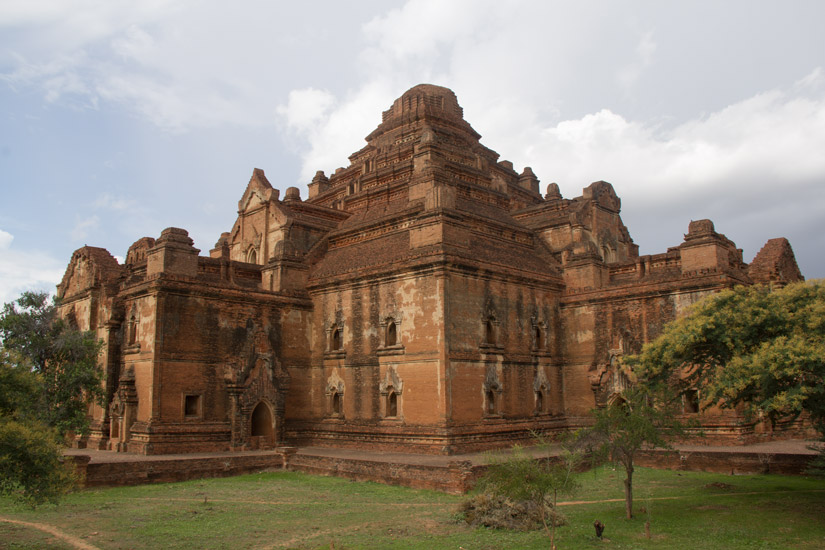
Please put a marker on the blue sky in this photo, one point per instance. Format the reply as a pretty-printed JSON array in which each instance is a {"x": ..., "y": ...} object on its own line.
[{"x": 118, "y": 119}]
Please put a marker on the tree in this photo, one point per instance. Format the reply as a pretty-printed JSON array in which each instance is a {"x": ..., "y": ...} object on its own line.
[
  {"x": 751, "y": 347},
  {"x": 521, "y": 476},
  {"x": 643, "y": 416},
  {"x": 64, "y": 358},
  {"x": 48, "y": 379},
  {"x": 31, "y": 466}
]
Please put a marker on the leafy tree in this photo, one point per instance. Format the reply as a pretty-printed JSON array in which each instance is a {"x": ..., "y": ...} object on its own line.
[
  {"x": 64, "y": 358},
  {"x": 520, "y": 476},
  {"x": 19, "y": 387},
  {"x": 48, "y": 379},
  {"x": 31, "y": 466},
  {"x": 642, "y": 417},
  {"x": 754, "y": 347}
]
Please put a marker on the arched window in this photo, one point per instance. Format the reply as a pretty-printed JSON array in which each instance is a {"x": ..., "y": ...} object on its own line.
[
  {"x": 616, "y": 400},
  {"x": 691, "y": 401},
  {"x": 538, "y": 334},
  {"x": 392, "y": 334},
  {"x": 252, "y": 257},
  {"x": 336, "y": 403},
  {"x": 491, "y": 402},
  {"x": 539, "y": 401},
  {"x": 490, "y": 333},
  {"x": 335, "y": 338},
  {"x": 392, "y": 403},
  {"x": 132, "y": 330}
]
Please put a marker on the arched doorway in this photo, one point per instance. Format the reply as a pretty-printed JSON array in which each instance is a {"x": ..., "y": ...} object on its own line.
[{"x": 262, "y": 427}]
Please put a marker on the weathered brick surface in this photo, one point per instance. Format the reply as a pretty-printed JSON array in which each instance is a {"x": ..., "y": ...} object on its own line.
[
  {"x": 457, "y": 477},
  {"x": 775, "y": 263},
  {"x": 121, "y": 473},
  {"x": 425, "y": 298},
  {"x": 726, "y": 462}
]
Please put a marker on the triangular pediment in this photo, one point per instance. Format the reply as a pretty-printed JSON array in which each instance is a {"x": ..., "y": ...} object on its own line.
[
  {"x": 775, "y": 263},
  {"x": 258, "y": 191},
  {"x": 89, "y": 267}
]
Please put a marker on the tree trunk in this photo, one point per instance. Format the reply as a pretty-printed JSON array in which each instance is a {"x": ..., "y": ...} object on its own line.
[
  {"x": 553, "y": 534},
  {"x": 544, "y": 521},
  {"x": 628, "y": 491}
]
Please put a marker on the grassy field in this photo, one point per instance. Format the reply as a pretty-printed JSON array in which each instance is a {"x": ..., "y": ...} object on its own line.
[{"x": 292, "y": 510}]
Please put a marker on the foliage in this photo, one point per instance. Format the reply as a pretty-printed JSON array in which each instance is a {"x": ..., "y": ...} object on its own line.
[
  {"x": 64, "y": 358},
  {"x": 31, "y": 466},
  {"x": 642, "y": 417},
  {"x": 753, "y": 346},
  {"x": 816, "y": 467},
  {"x": 522, "y": 477},
  {"x": 48, "y": 379},
  {"x": 19, "y": 387},
  {"x": 31, "y": 463}
]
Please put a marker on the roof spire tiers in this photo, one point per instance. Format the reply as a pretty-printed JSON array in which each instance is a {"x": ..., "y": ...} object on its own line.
[
  {"x": 436, "y": 105},
  {"x": 423, "y": 138}
]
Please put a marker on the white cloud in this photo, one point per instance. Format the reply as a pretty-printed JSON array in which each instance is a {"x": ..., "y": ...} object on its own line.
[
  {"x": 333, "y": 129},
  {"x": 811, "y": 82},
  {"x": 406, "y": 46},
  {"x": 181, "y": 65},
  {"x": 769, "y": 139},
  {"x": 21, "y": 271},
  {"x": 755, "y": 166},
  {"x": 420, "y": 28},
  {"x": 305, "y": 109},
  {"x": 163, "y": 63},
  {"x": 645, "y": 50},
  {"x": 108, "y": 202},
  {"x": 135, "y": 44},
  {"x": 5, "y": 239},
  {"x": 754, "y": 143},
  {"x": 84, "y": 226},
  {"x": 80, "y": 22},
  {"x": 167, "y": 105},
  {"x": 503, "y": 61},
  {"x": 58, "y": 77}
]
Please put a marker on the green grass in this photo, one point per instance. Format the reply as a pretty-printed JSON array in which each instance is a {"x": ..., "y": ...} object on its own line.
[{"x": 292, "y": 510}]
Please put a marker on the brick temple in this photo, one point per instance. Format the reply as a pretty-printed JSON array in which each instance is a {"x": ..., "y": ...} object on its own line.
[{"x": 426, "y": 298}]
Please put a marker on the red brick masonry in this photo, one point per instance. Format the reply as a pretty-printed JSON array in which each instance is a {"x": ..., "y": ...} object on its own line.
[{"x": 453, "y": 474}]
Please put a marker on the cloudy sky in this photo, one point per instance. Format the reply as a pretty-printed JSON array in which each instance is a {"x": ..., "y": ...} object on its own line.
[{"x": 121, "y": 118}]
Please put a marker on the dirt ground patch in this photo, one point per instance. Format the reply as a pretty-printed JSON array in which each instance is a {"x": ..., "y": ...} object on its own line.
[{"x": 54, "y": 531}]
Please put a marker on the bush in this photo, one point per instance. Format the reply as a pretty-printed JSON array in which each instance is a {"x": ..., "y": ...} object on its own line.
[
  {"x": 499, "y": 512},
  {"x": 31, "y": 463}
]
